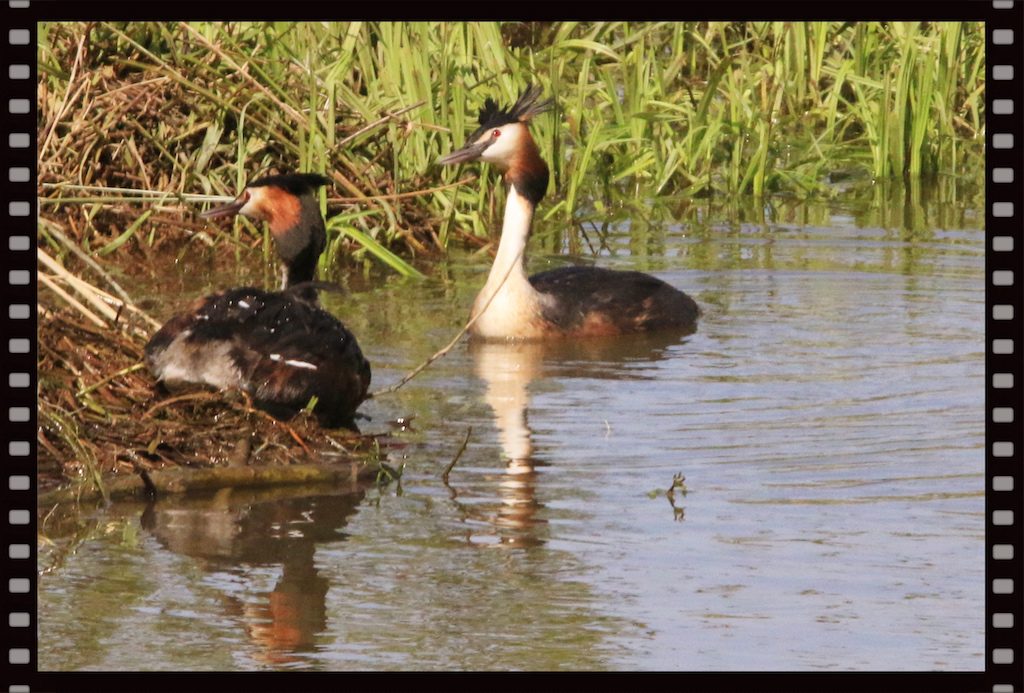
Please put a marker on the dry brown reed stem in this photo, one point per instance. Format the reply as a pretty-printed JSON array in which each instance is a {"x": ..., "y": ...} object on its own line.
[
  {"x": 100, "y": 383},
  {"x": 244, "y": 72},
  {"x": 99, "y": 299},
  {"x": 343, "y": 180},
  {"x": 72, "y": 301},
  {"x": 405, "y": 195},
  {"x": 156, "y": 195},
  {"x": 380, "y": 121},
  {"x": 82, "y": 287},
  {"x": 249, "y": 408},
  {"x": 203, "y": 395},
  {"x": 416, "y": 371},
  {"x": 52, "y": 125},
  {"x": 144, "y": 194},
  {"x": 92, "y": 264}
]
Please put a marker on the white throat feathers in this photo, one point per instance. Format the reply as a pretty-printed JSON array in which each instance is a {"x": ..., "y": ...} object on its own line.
[{"x": 516, "y": 306}]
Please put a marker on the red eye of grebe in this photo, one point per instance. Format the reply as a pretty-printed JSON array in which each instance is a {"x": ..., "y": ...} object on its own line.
[{"x": 495, "y": 134}]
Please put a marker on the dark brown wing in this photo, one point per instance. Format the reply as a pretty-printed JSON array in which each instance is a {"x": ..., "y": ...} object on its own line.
[
  {"x": 625, "y": 301},
  {"x": 285, "y": 349}
]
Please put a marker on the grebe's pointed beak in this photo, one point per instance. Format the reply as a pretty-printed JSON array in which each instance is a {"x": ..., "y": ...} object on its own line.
[
  {"x": 230, "y": 208},
  {"x": 470, "y": 152}
]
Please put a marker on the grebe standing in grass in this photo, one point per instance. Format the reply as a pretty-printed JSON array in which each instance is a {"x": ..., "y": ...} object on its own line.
[
  {"x": 564, "y": 302},
  {"x": 280, "y": 347}
]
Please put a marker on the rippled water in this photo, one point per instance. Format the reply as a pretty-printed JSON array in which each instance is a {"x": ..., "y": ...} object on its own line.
[{"x": 827, "y": 417}]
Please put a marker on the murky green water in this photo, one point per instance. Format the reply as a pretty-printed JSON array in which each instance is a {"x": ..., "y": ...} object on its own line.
[{"x": 827, "y": 416}]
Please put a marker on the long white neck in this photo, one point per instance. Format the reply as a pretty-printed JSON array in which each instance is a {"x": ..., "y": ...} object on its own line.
[
  {"x": 516, "y": 306},
  {"x": 515, "y": 232}
]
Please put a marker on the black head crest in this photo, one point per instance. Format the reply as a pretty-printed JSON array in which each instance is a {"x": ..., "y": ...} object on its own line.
[
  {"x": 525, "y": 107},
  {"x": 295, "y": 183}
]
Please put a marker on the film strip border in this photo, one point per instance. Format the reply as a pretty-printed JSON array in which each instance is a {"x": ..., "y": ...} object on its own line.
[
  {"x": 1004, "y": 657},
  {"x": 1004, "y": 512},
  {"x": 20, "y": 341}
]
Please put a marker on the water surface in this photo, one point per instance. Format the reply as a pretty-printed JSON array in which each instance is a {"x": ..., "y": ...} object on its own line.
[{"x": 827, "y": 417}]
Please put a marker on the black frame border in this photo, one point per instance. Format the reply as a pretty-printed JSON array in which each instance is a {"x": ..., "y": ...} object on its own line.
[{"x": 1004, "y": 605}]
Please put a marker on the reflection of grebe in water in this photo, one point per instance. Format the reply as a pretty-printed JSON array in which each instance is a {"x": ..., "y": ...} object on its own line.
[
  {"x": 237, "y": 529},
  {"x": 507, "y": 369}
]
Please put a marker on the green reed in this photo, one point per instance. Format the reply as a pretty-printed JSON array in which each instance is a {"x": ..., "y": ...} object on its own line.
[{"x": 684, "y": 108}]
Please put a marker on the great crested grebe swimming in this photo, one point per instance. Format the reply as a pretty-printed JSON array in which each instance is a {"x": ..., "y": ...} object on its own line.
[
  {"x": 559, "y": 303},
  {"x": 280, "y": 347}
]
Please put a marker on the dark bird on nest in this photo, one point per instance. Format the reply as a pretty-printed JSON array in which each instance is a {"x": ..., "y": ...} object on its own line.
[{"x": 280, "y": 347}]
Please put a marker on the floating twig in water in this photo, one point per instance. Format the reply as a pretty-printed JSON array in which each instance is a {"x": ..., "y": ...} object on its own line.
[
  {"x": 458, "y": 454},
  {"x": 451, "y": 345}
]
